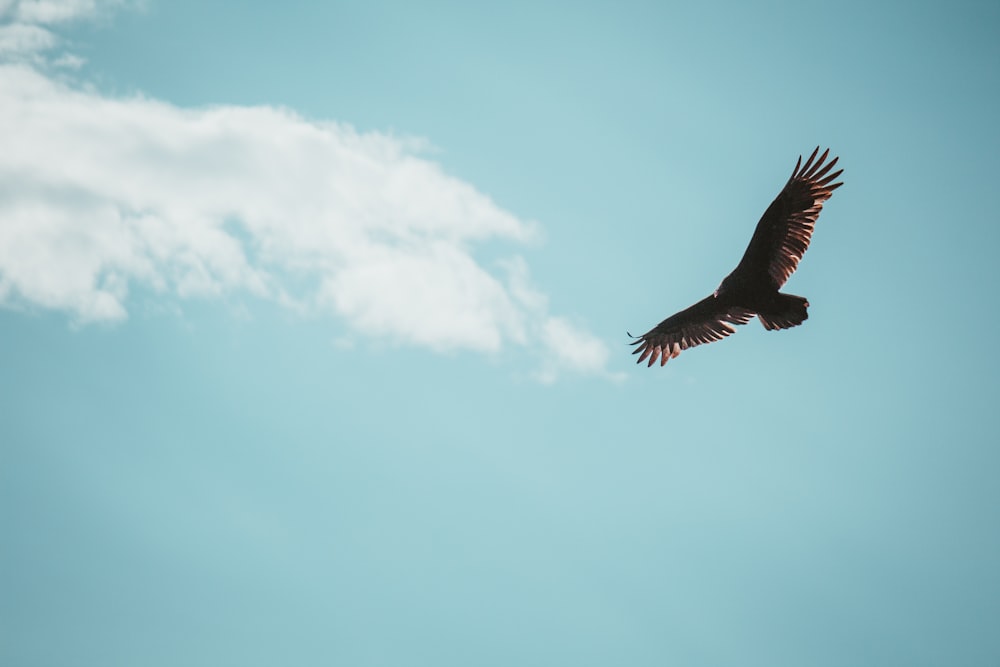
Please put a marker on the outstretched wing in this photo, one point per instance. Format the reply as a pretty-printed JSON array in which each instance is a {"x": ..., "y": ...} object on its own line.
[
  {"x": 783, "y": 233},
  {"x": 705, "y": 322}
]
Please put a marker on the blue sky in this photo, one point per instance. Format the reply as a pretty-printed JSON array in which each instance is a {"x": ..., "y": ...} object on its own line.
[{"x": 313, "y": 335}]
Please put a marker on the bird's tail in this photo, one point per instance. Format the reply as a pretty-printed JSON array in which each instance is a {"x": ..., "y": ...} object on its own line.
[{"x": 788, "y": 311}]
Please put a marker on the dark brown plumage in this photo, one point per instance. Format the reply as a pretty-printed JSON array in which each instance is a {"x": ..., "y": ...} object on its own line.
[{"x": 781, "y": 238}]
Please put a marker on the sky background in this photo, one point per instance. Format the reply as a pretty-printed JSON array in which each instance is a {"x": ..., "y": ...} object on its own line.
[{"x": 313, "y": 352}]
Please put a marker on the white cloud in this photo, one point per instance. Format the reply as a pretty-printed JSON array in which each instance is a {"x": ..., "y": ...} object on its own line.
[
  {"x": 98, "y": 194},
  {"x": 69, "y": 61},
  {"x": 26, "y": 31},
  {"x": 24, "y": 38},
  {"x": 435, "y": 295},
  {"x": 574, "y": 347},
  {"x": 56, "y": 11}
]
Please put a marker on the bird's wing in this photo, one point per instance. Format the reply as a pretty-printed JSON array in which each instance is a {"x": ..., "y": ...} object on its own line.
[
  {"x": 783, "y": 233},
  {"x": 705, "y": 322}
]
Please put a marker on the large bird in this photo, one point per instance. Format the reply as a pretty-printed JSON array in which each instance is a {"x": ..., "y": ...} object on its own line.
[{"x": 778, "y": 243}]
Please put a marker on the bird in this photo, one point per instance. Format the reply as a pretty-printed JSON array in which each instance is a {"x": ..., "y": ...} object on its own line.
[{"x": 752, "y": 289}]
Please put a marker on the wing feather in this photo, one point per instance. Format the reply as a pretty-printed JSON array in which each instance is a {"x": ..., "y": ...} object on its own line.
[
  {"x": 783, "y": 234},
  {"x": 707, "y": 321}
]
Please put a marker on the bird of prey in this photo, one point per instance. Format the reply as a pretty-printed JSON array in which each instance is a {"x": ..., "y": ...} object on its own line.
[{"x": 778, "y": 243}]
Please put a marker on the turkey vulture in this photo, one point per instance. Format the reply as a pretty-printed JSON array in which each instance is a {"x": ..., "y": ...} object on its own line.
[{"x": 778, "y": 243}]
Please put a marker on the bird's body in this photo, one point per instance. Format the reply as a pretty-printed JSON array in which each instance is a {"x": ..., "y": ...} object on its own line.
[{"x": 753, "y": 288}]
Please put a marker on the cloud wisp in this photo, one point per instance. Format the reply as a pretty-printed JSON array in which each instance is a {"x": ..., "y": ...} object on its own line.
[
  {"x": 101, "y": 194},
  {"x": 27, "y": 26}
]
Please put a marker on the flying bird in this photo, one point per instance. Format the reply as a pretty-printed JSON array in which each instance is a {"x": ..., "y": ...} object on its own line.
[{"x": 778, "y": 243}]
